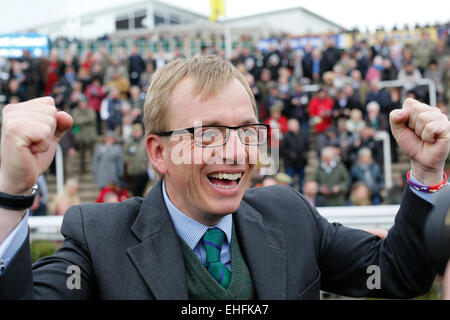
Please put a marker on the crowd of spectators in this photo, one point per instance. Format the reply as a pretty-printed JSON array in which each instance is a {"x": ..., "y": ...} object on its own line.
[{"x": 322, "y": 99}]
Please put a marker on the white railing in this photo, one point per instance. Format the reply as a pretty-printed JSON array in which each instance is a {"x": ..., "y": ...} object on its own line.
[
  {"x": 365, "y": 217},
  {"x": 387, "y": 161},
  {"x": 420, "y": 82}
]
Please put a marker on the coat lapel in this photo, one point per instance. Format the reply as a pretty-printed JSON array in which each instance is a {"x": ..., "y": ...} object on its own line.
[
  {"x": 263, "y": 248},
  {"x": 158, "y": 258}
]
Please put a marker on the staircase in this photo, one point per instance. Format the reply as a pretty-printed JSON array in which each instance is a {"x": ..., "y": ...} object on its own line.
[{"x": 87, "y": 190}]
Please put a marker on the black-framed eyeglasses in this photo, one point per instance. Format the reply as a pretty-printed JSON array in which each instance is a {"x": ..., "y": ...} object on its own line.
[{"x": 216, "y": 136}]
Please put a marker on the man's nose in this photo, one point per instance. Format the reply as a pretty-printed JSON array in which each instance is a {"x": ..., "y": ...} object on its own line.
[{"x": 235, "y": 151}]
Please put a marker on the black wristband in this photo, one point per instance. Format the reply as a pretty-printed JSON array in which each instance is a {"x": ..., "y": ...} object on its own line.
[{"x": 10, "y": 202}]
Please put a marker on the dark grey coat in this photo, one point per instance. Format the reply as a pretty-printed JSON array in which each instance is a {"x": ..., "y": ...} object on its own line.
[{"x": 130, "y": 250}]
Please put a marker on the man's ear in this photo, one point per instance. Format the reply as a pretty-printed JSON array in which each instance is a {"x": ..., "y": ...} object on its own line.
[{"x": 155, "y": 151}]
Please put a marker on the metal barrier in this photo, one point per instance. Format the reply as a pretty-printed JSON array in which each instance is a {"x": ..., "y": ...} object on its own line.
[
  {"x": 387, "y": 161},
  {"x": 421, "y": 82},
  {"x": 364, "y": 217},
  {"x": 59, "y": 163}
]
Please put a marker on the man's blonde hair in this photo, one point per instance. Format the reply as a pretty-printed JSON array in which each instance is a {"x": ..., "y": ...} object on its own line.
[{"x": 210, "y": 73}]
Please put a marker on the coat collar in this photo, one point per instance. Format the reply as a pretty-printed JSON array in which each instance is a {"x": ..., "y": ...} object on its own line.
[
  {"x": 158, "y": 258},
  {"x": 264, "y": 251}
]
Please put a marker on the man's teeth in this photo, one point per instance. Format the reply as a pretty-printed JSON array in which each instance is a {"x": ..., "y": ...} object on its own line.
[{"x": 227, "y": 176}]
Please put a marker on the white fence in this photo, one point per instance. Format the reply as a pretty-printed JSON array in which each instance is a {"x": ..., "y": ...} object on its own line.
[{"x": 365, "y": 217}]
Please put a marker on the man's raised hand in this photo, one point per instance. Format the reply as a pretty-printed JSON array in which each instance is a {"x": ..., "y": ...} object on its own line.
[
  {"x": 423, "y": 134},
  {"x": 30, "y": 133}
]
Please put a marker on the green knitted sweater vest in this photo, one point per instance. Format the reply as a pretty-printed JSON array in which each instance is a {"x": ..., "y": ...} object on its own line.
[{"x": 202, "y": 286}]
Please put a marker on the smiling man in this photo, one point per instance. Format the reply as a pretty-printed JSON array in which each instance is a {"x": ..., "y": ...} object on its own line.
[{"x": 201, "y": 233}]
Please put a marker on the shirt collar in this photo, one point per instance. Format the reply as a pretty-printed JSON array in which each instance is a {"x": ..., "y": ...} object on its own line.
[{"x": 190, "y": 230}]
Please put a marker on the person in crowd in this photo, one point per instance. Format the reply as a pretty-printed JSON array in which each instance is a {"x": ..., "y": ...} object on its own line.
[
  {"x": 52, "y": 67},
  {"x": 365, "y": 170},
  {"x": 360, "y": 87},
  {"x": 355, "y": 123},
  {"x": 136, "y": 66},
  {"x": 61, "y": 203},
  {"x": 37, "y": 209},
  {"x": 299, "y": 104},
  {"x": 113, "y": 188},
  {"x": 19, "y": 74},
  {"x": 69, "y": 152},
  {"x": 272, "y": 61},
  {"x": 331, "y": 55},
  {"x": 110, "y": 197},
  {"x": 283, "y": 179},
  {"x": 107, "y": 162},
  {"x": 136, "y": 161},
  {"x": 329, "y": 138},
  {"x": 359, "y": 195},
  {"x": 13, "y": 91},
  {"x": 84, "y": 78},
  {"x": 320, "y": 110},
  {"x": 333, "y": 178},
  {"x": 340, "y": 78},
  {"x": 293, "y": 151},
  {"x": 394, "y": 194},
  {"x": 116, "y": 67},
  {"x": 433, "y": 72},
  {"x": 389, "y": 71},
  {"x": 136, "y": 102},
  {"x": 317, "y": 68},
  {"x": 269, "y": 181},
  {"x": 422, "y": 51},
  {"x": 146, "y": 76},
  {"x": 365, "y": 138},
  {"x": 121, "y": 83},
  {"x": 410, "y": 75},
  {"x": 310, "y": 192},
  {"x": 278, "y": 124},
  {"x": 446, "y": 79},
  {"x": 375, "y": 119},
  {"x": 272, "y": 97},
  {"x": 160, "y": 59},
  {"x": 374, "y": 72},
  {"x": 66, "y": 83},
  {"x": 381, "y": 96},
  {"x": 343, "y": 142},
  {"x": 263, "y": 88},
  {"x": 84, "y": 128},
  {"x": 95, "y": 94},
  {"x": 75, "y": 95},
  {"x": 112, "y": 108}
]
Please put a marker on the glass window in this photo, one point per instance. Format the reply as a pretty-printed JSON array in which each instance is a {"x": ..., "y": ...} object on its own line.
[
  {"x": 174, "y": 19},
  {"x": 140, "y": 22},
  {"x": 159, "y": 18},
  {"x": 122, "y": 23}
]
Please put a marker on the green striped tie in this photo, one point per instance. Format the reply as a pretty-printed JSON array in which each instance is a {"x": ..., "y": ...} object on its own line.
[{"x": 213, "y": 240}]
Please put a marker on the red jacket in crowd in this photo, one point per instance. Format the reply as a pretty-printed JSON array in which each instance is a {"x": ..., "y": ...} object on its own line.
[
  {"x": 281, "y": 124},
  {"x": 320, "y": 109},
  {"x": 95, "y": 95},
  {"x": 122, "y": 194}
]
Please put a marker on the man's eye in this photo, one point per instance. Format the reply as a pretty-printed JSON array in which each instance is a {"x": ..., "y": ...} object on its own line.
[
  {"x": 249, "y": 132},
  {"x": 210, "y": 134}
]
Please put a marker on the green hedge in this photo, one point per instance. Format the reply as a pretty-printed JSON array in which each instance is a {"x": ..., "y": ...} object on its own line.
[{"x": 40, "y": 249}]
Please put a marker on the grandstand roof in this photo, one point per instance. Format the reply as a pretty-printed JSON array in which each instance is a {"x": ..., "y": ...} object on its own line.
[{"x": 261, "y": 15}]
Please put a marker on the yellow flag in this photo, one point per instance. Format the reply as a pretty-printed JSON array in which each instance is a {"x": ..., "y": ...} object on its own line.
[{"x": 217, "y": 9}]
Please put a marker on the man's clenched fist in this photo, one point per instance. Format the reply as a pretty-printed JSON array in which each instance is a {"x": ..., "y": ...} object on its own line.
[
  {"x": 30, "y": 133},
  {"x": 423, "y": 134}
]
